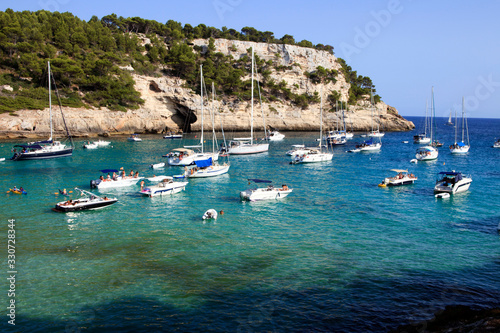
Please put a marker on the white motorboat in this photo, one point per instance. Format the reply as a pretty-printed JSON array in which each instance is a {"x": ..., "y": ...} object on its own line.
[
  {"x": 90, "y": 145},
  {"x": 375, "y": 134},
  {"x": 171, "y": 135},
  {"x": 402, "y": 178},
  {"x": 44, "y": 149},
  {"x": 134, "y": 138},
  {"x": 102, "y": 143},
  {"x": 421, "y": 139},
  {"x": 310, "y": 155},
  {"x": 165, "y": 187},
  {"x": 452, "y": 182},
  {"x": 461, "y": 147},
  {"x": 246, "y": 146},
  {"x": 2, "y": 159},
  {"x": 265, "y": 193},
  {"x": 335, "y": 138},
  {"x": 275, "y": 136},
  {"x": 204, "y": 169},
  {"x": 496, "y": 144},
  {"x": 88, "y": 201},
  {"x": 369, "y": 145},
  {"x": 294, "y": 149},
  {"x": 427, "y": 153},
  {"x": 210, "y": 214},
  {"x": 157, "y": 165},
  {"x": 181, "y": 156},
  {"x": 114, "y": 181}
]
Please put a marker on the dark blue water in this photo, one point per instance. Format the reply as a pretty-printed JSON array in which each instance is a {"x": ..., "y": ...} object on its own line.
[{"x": 338, "y": 254}]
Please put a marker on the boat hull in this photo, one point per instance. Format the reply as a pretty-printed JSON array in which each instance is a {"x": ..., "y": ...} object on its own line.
[
  {"x": 249, "y": 149},
  {"x": 42, "y": 155},
  {"x": 209, "y": 172},
  {"x": 159, "y": 190},
  {"x": 104, "y": 184},
  {"x": 88, "y": 205},
  {"x": 264, "y": 194},
  {"x": 461, "y": 186}
]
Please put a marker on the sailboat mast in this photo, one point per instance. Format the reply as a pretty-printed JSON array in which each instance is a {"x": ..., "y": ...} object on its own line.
[
  {"x": 201, "y": 86},
  {"x": 426, "y": 119},
  {"x": 463, "y": 120},
  {"x": 456, "y": 126},
  {"x": 321, "y": 120},
  {"x": 50, "y": 103},
  {"x": 214, "y": 137},
  {"x": 432, "y": 112},
  {"x": 251, "y": 122}
]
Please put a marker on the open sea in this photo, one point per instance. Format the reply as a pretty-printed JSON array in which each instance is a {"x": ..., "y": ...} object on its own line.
[{"x": 339, "y": 254}]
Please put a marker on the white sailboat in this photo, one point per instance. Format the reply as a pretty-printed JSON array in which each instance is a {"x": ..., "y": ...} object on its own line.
[
  {"x": 375, "y": 133},
  {"x": 461, "y": 147},
  {"x": 370, "y": 145},
  {"x": 186, "y": 156},
  {"x": 207, "y": 168},
  {"x": 311, "y": 155},
  {"x": 245, "y": 146},
  {"x": 449, "y": 122},
  {"x": 44, "y": 149},
  {"x": 428, "y": 152},
  {"x": 422, "y": 138}
]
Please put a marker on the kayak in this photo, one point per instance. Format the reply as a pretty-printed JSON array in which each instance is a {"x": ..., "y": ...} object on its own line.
[{"x": 17, "y": 191}]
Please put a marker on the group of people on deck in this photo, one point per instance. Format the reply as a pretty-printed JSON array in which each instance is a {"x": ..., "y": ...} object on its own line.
[{"x": 120, "y": 174}]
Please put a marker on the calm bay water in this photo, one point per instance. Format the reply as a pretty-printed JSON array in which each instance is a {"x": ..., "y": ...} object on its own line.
[{"x": 338, "y": 254}]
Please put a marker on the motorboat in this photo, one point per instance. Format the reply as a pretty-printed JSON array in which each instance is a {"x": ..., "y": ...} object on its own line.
[
  {"x": 185, "y": 156},
  {"x": 421, "y": 139},
  {"x": 335, "y": 138},
  {"x": 90, "y": 145},
  {"x": 88, "y": 201},
  {"x": 275, "y": 136},
  {"x": 310, "y": 155},
  {"x": 427, "y": 153},
  {"x": 294, "y": 149},
  {"x": 117, "y": 180},
  {"x": 442, "y": 195},
  {"x": 134, "y": 138},
  {"x": 166, "y": 187},
  {"x": 157, "y": 178},
  {"x": 461, "y": 147},
  {"x": 496, "y": 144},
  {"x": 102, "y": 143},
  {"x": 402, "y": 178},
  {"x": 205, "y": 168},
  {"x": 265, "y": 193},
  {"x": 2, "y": 159},
  {"x": 157, "y": 165},
  {"x": 210, "y": 214},
  {"x": 375, "y": 134},
  {"x": 171, "y": 135},
  {"x": 452, "y": 182}
]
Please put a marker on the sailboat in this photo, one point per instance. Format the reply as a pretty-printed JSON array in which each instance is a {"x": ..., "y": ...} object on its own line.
[
  {"x": 374, "y": 133},
  {"x": 207, "y": 168},
  {"x": 428, "y": 152},
  {"x": 337, "y": 137},
  {"x": 422, "y": 138},
  {"x": 44, "y": 149},
  {"x": 461, "y": 147},
  {"x": 310, "y": 155},
  {"x": 245, "y": 146},
  {"x": 370, "y": 145},
  {"x": 186, "y": 156},
  {"x": 449, "y": 122}
]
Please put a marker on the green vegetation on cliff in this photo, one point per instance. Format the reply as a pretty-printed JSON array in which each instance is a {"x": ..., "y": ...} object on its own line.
[{"x": 88, "y": 61}]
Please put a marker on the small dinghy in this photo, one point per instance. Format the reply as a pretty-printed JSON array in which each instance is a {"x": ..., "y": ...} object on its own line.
[
  {"x": 2, "y": 159},
  {"x": 157, "y": 165},
  {"x": 90, "y": 145},
  {"x": 442, "y": 195},
  {"x": 414, "y": 160},
  {"x": 210, "y": 214}
]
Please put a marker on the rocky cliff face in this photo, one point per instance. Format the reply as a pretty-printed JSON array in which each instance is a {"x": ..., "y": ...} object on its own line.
[{"x": 170, "y": 106}]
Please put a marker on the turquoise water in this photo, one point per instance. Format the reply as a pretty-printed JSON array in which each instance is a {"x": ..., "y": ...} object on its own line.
[{"x": 338, "y": 254}]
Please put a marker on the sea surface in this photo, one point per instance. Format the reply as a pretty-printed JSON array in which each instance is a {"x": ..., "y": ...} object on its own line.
[{"x": 339, "y": 254}]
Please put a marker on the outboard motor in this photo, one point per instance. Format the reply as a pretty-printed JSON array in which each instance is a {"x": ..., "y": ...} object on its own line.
[{"x": 94, "y": 183}]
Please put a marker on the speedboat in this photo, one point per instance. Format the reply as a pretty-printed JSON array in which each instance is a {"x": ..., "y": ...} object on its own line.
[
  {"x": 402, "y": 178},
  {"x": 369, "y": 145},
  {"x": 134, "y": 138},
  {"x": 265, "y": 193},
  {"x": 115, "y": 181},
  {"x": 171, "y": 135},
  {"x": 90, "y": 145},
  {"x": 427, "y": 153},
  {"x": 166, "y": 186},
  {"x": 275, "y": 136},
  {"x": 496, "y": 144},
  {"x": 452, "y": 182},
  {"x": 88, "y": 201},
  {"x": 210, "y": 214},
  {"x": 375, "y": 134}
]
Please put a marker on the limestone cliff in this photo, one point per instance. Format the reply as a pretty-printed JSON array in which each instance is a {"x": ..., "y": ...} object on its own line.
[{"x": 169, "y": 105}]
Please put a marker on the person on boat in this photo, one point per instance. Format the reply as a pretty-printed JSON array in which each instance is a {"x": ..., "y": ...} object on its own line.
[
  {"x": 142, "y": 185},
  {"x": 136, "y": 174},
  {"x": 131, "y": 174},
  {"x": 115, "y": 176},
  {"x": 21, "y": 189},
  {"x": 109, "y": 177},
  {"x": 105, "y": 198},
  {"x": 15, "y": 189},
  {"x": 284, "y": 188},
  {"x": 101, "y": 178},
  {"x": 123, "y": 174}
]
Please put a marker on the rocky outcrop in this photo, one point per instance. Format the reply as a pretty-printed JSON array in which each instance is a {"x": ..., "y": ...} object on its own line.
[{"x": 169, "y": 105}]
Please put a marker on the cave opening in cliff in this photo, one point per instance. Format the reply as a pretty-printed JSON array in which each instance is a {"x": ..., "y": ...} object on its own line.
[{"x": 184, "y": 118}]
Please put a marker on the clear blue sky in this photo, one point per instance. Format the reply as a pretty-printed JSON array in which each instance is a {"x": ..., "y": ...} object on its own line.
[{"x": 404, "y": 46}]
